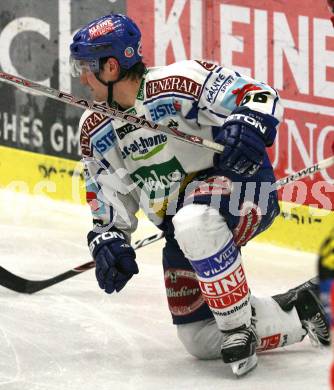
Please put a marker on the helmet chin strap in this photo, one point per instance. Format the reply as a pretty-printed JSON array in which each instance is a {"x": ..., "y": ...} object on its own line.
[
  {"x": 110, "y": 91},
  {"x": 110, "y": 84}
]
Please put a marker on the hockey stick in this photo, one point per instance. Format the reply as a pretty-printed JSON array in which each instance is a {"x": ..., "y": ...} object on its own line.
[
  {"x": 21, "y": 285},
  {"x": 108, "y": 111},
  {"x": 321, "y": 165},
  {"x": 145, "y": 123},
  {"x": 18, "y": 284}
]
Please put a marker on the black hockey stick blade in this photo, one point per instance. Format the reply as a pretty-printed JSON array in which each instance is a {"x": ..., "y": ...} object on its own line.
[
  {"x": 26, "y": 286},
  {"x": 21, "y": 285}
]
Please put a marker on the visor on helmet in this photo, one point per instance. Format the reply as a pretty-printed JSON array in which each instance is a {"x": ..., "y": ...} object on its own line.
[{"x": 78, "y": 67}]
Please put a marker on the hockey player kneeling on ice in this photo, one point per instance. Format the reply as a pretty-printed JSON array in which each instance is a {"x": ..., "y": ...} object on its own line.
[{"x": 208, "y": 204}]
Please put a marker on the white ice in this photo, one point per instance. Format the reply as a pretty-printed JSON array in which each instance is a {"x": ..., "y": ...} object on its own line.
[{"x": 74, "y": 336}]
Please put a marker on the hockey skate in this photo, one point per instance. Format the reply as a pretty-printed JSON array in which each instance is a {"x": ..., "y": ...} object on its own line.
[
  {"x": 238, "y": 350},
  {"x": 311, "y": 312}
]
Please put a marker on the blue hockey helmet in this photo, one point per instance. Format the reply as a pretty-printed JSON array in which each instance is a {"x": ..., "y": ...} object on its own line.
[{"x": 113, "y": 35}]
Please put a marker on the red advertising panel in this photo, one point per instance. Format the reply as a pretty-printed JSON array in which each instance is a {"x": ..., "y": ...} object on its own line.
[{"x": 288, "y": 44}]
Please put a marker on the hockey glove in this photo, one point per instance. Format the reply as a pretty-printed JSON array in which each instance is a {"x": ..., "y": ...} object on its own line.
[
  {"x": 245, "y": 135},
  {"x": 115, "y": 259}
]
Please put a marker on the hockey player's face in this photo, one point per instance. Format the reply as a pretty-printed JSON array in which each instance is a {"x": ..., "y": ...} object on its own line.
[
  {"x": 99, "y": 90},
  {"x": 98, "y": 82}
]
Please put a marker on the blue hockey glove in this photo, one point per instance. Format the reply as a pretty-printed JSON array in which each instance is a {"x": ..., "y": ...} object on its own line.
[
  {"x": 245, "y": 135},
  {"x": 115, "y": 259}
]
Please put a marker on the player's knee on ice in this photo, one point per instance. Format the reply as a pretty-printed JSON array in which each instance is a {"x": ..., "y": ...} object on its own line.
[
  {"x": 275, "y": 328},
  {"x": 199, "y": 228}
]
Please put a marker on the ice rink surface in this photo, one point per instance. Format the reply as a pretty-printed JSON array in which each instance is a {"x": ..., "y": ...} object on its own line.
[{"x": 73, "y": 336}]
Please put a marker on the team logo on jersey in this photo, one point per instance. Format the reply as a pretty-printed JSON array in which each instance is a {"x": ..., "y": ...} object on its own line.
[
  {"x": 144, "y": 147},
  {"x": 180, "y": 84},
  {"x": 164, "y": 108},
  {"x": 183, "y": 292},
  {"x": 159, "y": 180}
]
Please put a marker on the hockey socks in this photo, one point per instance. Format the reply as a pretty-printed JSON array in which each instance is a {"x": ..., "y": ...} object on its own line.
[{"x": 207, "y": 242}]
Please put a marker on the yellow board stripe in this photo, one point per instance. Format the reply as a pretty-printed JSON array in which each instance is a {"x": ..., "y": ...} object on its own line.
[
  {"x": 38, "y": 174},
  {"x": 300, "y": 227}
]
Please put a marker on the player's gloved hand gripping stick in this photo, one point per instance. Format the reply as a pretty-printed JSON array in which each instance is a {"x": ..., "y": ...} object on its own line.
[
  {"x": 22, "y": 285},
  {"x": 115, "y": 262}
]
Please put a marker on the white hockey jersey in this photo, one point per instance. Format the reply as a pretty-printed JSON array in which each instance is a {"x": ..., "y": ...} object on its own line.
[{"x": 128, "y": 168}]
